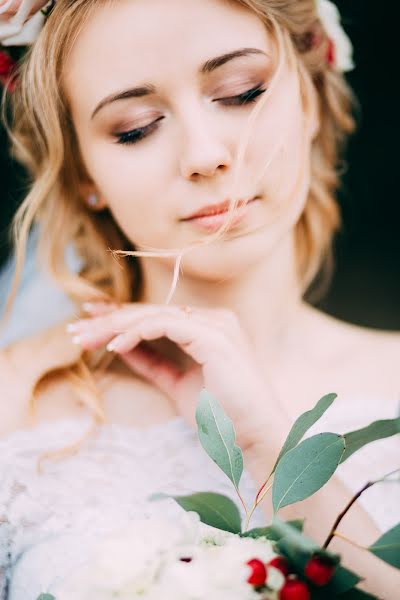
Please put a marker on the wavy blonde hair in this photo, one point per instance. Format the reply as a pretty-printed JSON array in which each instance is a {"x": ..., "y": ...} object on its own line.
[{"x": 44, "y": 141}]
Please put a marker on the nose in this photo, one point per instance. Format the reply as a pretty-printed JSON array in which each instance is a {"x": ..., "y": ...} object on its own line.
[{"x": 203, "y": 152}]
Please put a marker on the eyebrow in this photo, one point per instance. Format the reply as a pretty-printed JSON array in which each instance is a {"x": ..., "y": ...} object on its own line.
[{"x": 148, "y": 89}]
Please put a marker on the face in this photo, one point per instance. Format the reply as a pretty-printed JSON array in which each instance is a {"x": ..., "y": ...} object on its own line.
[{"x": 159, "y": 118}]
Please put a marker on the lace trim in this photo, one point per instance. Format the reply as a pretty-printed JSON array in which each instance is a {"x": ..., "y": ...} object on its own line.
[{"x": 54, "y": 516}]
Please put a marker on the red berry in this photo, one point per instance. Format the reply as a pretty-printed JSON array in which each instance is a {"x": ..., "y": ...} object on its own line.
[
  {"x": 258, "y": 575},
  {"x": 319, "y": 570},
  {"x": 294, "y": 589},
  {"x": 281, "y": 564}
]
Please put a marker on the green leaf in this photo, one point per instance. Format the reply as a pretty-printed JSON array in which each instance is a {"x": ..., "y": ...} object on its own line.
[
  {"x": 387, "y": 547},
  {"x": 218, "y": 438},
  {"x": 213, "y": 509},
  {"x": 297, "y": 524},
  {"x": 356, "y": 594},
  {"x": 46, "y": 597},
  {"x": 258, "y": 532},
  {"x": 375, "y": 431},
  {"x": 342, "y": 581},
  {"x": 271, "y": 532},
  {"x": 285, "y": 530},
  {"x": 306, "y": 468},
  {"x": 303, "y": 424},
  {"x": 297, "y": 548},
  {"x": 341, "y": 585}
]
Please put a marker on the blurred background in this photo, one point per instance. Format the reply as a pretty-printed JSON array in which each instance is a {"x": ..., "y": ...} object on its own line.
[{"x": 365, "y": 288}]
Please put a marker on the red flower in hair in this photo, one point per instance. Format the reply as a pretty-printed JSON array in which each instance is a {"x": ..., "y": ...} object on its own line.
[
  {"x": 7, "y": 66},
  {"x": 331, "y": 53}
]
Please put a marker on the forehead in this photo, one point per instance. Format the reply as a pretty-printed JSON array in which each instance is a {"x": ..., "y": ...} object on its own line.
[{"x": 130, "y": 41}]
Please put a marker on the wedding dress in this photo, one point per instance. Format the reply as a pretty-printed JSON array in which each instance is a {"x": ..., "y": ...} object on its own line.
[{"x": 50, "y": 521}]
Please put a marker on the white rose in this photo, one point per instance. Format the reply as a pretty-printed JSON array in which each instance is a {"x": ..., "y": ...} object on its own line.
[
  {"x": 330, "y": 17},
  {"x": 128, "y": 561},
  {"x": 204, "y": 577},
  {"x": 17, "y": 30}
]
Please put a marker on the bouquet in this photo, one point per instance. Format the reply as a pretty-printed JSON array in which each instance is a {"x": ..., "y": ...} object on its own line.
[
  {"x": 175, "y": 560},
  {"x": 210, "y": 553}
]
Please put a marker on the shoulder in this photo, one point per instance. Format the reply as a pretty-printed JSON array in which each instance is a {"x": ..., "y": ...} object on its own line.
[
  {"x": 21, "y": 366},
  {"x": 360, "y": 356}
]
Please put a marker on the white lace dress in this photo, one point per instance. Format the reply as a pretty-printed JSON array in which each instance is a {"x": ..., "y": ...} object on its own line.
[{"x": 49, "y": 522}]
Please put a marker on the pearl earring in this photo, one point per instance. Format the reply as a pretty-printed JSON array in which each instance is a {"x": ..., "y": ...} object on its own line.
[{"x": 92, "y": 200}]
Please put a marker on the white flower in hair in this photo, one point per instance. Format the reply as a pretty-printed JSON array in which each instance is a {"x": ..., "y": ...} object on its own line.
[
  {"x": 330, "y": 18},
  {"x": 20, "y": 30}
]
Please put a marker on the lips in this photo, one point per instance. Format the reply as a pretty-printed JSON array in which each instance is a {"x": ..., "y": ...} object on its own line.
[{"x": 215, "y": 209}]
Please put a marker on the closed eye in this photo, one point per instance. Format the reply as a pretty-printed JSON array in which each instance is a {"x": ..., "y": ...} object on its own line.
[{"x": 135, "y": 135}]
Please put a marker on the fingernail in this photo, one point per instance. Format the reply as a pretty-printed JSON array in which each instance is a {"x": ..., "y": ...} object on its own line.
[
  {"x": 77, "y": 340},
  {"x": 71, "y": 327},
  {"x": 115, "y": 343}
]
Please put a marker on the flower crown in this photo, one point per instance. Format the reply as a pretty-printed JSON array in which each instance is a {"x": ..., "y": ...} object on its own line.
[{"x": 21, "y": 30}]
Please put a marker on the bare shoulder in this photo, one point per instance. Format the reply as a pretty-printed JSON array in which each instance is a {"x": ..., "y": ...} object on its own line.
[
  {"x": 21, "y": 365},
  {"x": 359, "y": 355}
]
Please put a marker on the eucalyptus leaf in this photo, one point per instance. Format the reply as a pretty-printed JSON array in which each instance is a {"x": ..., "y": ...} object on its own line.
[
  {"x": 297, "y": 524},
  {"x": 261, "y": 532},
  {"x": 387, "y": 547},
  {"x": 218, "y": 438},
  {"x": 213, "y": 509},
  {"x": 270, "y": 532},
  {"x": 375, "y": 431},
  {"x": 306, "y": 468},
  {"x": 356, "y": 594},
  {"x": 46, "y": 597},
  {"x": 158, "y": 496},
  {"x": 303, "y": 424},
  {"x": 285, "y": 530}
]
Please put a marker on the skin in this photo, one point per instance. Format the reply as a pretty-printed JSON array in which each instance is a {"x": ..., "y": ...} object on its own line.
[
  {"x": 189, "y": 161},
  {"x": 248, "y": 318}
]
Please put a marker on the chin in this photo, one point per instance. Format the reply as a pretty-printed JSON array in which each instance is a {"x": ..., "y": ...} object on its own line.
[{"x": 226, "y": 259}]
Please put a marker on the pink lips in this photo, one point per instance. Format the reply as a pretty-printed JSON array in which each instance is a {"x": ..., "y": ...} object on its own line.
[
  {"x": 211, "y": 218},
  {"x": 213, "y": 209}
]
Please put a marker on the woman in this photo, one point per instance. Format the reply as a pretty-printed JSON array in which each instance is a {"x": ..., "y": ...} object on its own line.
[{"x": 142, "y": 122}]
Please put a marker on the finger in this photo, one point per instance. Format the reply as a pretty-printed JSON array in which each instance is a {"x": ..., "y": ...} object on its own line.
[
  {"x": 96, "y": 332},
  {"x": 114, "y": 319},
  {"x": 100, "y": 308},
  {"x": 154, "y": 367},
  {"x": 189, "y": 334},
  {"x": 92, "y": 340}
]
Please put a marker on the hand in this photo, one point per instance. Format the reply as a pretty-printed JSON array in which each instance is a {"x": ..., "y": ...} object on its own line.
[
  {"x": 221, "y": 359},
  {"x": 12, "y": 7}
]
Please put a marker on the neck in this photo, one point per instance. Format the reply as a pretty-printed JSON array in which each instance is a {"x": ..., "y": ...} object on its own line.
[{"x": 267, "y": 299}]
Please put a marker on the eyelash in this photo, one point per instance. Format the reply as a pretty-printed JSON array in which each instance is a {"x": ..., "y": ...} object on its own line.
[{"x": 134, "y": 136}]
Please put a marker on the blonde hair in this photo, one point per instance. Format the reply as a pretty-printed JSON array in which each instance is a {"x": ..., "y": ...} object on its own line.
[{"x": 45, "y": 142}]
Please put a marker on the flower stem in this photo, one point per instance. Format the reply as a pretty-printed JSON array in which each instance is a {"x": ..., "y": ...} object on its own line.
[
  {"x": 350, "y": 504},
  {"x": 257, "y": 502},
  {"x": 346, "y": 539},
  {"x": 346, "y": 509}
]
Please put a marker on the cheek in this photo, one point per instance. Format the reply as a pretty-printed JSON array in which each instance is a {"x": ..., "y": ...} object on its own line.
[
  {"x": 279, "y": 149},
  {"x": 132, "y": 188}
]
